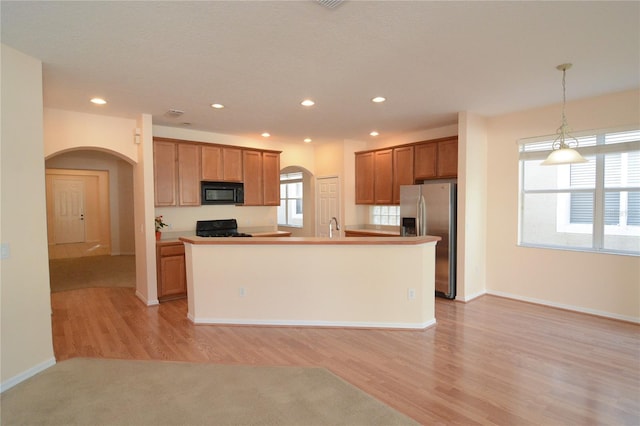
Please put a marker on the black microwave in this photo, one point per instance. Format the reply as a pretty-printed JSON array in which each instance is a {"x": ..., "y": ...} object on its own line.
[{"x": 222, "y": 193}]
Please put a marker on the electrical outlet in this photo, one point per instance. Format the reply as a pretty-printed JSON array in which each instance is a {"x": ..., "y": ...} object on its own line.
[
  {"x": 411, "y": 293},
  {"x": 242, "y": 291}
]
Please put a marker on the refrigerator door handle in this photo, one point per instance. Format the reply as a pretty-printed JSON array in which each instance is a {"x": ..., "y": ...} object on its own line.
[
  {"x": 422, "y": 214},
  {"x": 418, "y": 219}
]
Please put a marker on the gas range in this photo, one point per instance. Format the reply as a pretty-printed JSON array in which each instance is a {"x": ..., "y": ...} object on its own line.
[{"x": 219, "y": 228}]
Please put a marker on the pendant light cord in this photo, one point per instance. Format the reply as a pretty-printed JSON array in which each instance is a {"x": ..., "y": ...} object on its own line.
[{"x": 563, "y": 131}]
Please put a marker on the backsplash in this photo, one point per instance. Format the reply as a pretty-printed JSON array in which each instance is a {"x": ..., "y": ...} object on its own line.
[{"x": 182, "y": 219}]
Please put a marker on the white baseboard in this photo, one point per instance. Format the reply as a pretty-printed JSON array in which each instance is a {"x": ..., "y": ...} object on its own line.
[
  {"x": 26, "y": 374},
  {"x": 145, "y": 300},
  {"x": 304, "y": 323},
  {"x": 566, "y": 307},
  {"x": 470, "y": 297}
]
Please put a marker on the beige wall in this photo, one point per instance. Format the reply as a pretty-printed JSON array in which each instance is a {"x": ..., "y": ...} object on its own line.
[
  {"x": 25, "y": 319},
  {"x": 69, "y": 131},
  {"x": 66, "y": 130},
  {"x": 598, "y": 283},
  {"x": 423, "y": 135},
  {"x": 146, "y": 277},
  {"x": 472, "y": 206}
]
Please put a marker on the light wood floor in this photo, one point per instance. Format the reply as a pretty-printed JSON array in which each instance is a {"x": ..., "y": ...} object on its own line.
[
  {"x": 66, "y": 251},
  {"x": 490, "y": 361}
]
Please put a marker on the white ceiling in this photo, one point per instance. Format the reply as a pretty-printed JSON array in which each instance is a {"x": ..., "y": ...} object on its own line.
[{"x": 261, "y": 58}]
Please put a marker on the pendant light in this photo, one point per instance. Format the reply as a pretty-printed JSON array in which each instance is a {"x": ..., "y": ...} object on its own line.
[{"x": 564, "y": 144}]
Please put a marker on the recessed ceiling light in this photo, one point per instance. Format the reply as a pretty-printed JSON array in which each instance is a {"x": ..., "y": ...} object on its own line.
[
  {"x": 265, "y": 135},
  {"x": 307, "y": 102},
  {"x": 374, "y": 133},
  {"x": 307, "y": 140},
  {"x": 378, "y": 99},
  {"x": 217, "y": 106},
  {"x": 98, "y": 101}
]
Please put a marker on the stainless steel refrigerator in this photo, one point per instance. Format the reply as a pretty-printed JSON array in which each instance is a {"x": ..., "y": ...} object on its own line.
[{"x": 430, "y": 209}]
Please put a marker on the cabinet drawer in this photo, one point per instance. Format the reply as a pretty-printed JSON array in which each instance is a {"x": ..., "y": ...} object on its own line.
[{"x": 172, "y": 250}]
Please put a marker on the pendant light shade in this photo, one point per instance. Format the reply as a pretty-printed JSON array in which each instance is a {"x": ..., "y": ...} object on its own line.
[
  {"x": 564, "y": 144},
  {"x": 564, "y": 156}
]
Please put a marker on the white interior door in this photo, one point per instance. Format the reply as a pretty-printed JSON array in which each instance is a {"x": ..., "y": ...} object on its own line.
[
  {"x": 69, "y": 224},
  {"x": 328, "y": 205}
]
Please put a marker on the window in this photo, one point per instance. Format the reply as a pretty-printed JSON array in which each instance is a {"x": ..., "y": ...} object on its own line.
[
  {"x": 384, "y": 215},
  {"x": 290, "y": 209},
  {"x": 592, "y": 206}
]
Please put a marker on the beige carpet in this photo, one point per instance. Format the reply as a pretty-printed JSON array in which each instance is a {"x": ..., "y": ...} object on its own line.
[
  {"x": 92, "y": 271},
  {"x": 84, "y": 391}
]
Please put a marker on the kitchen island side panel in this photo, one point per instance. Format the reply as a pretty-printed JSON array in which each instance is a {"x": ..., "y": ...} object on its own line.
[{"x": 388, "y": 286}]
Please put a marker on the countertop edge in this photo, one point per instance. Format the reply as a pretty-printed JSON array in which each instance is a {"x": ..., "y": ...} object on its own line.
[{"x": 313, "y": 241}]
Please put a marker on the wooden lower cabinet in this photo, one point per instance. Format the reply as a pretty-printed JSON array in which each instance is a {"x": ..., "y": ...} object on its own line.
[{"x": 172, "y": 276}]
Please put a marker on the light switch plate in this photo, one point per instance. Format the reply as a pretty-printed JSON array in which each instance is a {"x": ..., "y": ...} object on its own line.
[{"x": 5, "y": 251}]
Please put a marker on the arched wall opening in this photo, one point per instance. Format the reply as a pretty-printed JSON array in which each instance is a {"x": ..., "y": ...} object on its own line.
[
  {"x": 89, "y": 164},
  {"x": 308, "y": 204}
]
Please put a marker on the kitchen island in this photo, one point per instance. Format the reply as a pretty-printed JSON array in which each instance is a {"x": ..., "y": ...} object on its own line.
[{"x": 385, "y": 282}]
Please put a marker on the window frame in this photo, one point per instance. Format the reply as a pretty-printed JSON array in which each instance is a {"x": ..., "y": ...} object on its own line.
[
  {"x": 597, "y": 151},
  {"x": 285, "y": 198},
  {"x": 395, "y": 216}
]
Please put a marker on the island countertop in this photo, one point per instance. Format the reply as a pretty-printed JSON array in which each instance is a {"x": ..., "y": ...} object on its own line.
[{"x": 370, "y": 241}]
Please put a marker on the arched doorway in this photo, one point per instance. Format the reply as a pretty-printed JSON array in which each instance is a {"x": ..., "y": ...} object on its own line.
[
  {"x": 307, "y": 202},
  {"x": 90, "y": 219}
]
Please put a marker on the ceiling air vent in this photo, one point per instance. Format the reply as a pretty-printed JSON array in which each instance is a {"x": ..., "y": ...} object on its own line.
[
  {"x": 330, "y": 4},
  {"x": 174, "y": 113}
]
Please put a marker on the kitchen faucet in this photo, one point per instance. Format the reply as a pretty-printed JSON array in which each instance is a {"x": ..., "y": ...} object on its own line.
[{"x": 333, "y": 219}]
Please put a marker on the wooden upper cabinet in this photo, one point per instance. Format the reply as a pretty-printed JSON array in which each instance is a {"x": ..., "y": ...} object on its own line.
[
  {"x": 221, "y": 164},
  {"x": 426, "y": 157},
  {"x": 232, "y": 160},
  {"x": 448, "y": 158},
  {"x": 253, "y": 185},
  {"x": 402, "y": 170},
  {"x": 271, "y": 178},
  {"x": 189, "y": 174},
  {"x": 365, "y": 178},
  {"x": 383, "y": 177},
  {"x": 164, "y": 173},
  {"x": 212, "y": 166},
  {"x": 380, "y": 173},
  {"x": 180, "y": 166}
]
